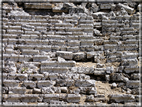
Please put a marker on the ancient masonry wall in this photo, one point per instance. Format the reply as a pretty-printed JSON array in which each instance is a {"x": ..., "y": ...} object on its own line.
[{"x": 71, "y": 53}]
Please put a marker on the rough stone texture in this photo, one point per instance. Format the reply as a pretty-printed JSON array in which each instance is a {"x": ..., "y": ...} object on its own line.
[{"x": 73, "y": 53}]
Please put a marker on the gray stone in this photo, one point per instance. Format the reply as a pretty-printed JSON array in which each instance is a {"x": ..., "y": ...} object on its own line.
[
  {"x": 122, "y": 98},
  {"x": 99, "y": 71},
  {"x": 11, "y": 83},
  {"x": 119, "y": 77},
  {"x": 79, "y": 56},
  {"x": 12, "y": 98},
  {"x": 132, "y": 84},
  {"x": 29, "y": 98},
  {"x": 29, "y": 84},
  {"x": 67, "y": 64},
  {"x": 64, "y": 89},
  {"x": 61, "y": 59},
  {"x": 135, "y": 76},
  {"x": 97, "y": 32},
  {"x": 114, "y": 85},
  {"x": 65, "y": 54},
  {"x": 53, "y": 76},
  {"x": 129, "y": 62},
  {"x": 36, "y": 91},
  {"x": 127, "y": 8},
  {"x": 49, "y": 97},
  {"x": 17, "y": 90},
  {"x": 90, "y": 98},
  {"x": 84, "y": 83},
  {"x": 45, "y": 83},
  {"x": 35, "y": 76},
  {"x": 72, "y": 98}
]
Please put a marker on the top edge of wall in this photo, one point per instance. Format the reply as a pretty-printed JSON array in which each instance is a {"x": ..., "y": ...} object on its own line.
[{"x": 96, "y": 1}]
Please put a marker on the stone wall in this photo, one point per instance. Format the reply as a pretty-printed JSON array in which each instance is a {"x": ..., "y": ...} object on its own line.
[{"x": 42, "y": 44}]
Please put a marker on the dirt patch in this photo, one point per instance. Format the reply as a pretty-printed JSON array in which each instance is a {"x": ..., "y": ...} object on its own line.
[{"x": 105, "y": 89}]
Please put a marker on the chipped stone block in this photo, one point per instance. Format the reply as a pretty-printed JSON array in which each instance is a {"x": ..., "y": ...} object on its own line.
[
  {"x": 14, "y": 57},
  {"x": 73, "y": 49},
  {"x": 60, "y": 69},
  {"x": 65, "y": 54},
  {"x": 118, "y": 77},
  {"x": 4, "y": 76},
  {"x": 49, "y": 90},
  {"x": 15, "y": 27},
  {"x": 49, "y": 97},
  {"x": 29, "y": 84},
  {"x": 73, "y": 43},
  {"x": 135, "y": 76},
  {"x": 66, "y": 82},
  {"x": 129, "y": 55},
  {"x": 57, "y": 42},
  {"x": 49, "y": 64},
  {"x": 90, "y": 54},
  {"x": 72, "y": 98},
  {"x": 37, "y": 58},
  {"x": 67, "y": 64},
  {"x": 127, "y": 8},
  {"x": 35, "y": 76},
  {"x": 84, "y": 83},
  {"x": 129, "y": 62},
  {"x": 9, "y": 31},
  {"x": 99, "y": 71},
  {"x": 79, "y": 56},
  {"x": 9, "y": 51},
  {"x": 11, "y": 83},
  {"x": 121, "y": 98},
  {"x": 45, "y": 83},
  {"x": 53, "y": 76},
  {"x": 21, "y": 77},
  {"x": 11, "y": 76},
  {"x": 64, "y": 89},
  {"x": 105, "y": 6},
  {"x": 85, "y": 21},
  {"x": 92, "y": 90},
  {"x": 83, "y": 70},
  {"x": 87, "y": 42},
  {"x": 12, "y": 98},
  {"x": 17, "y": 90},
  {"x": 131, "y": 69},
  {"x": 30, "y": 52},
  {"x": 36, "y": 91},
  {"x": 90, "y": 98},
  {"x": 133, "y": 84},
  {"x": 85, "y": 37},
  {"x": 29, "y": 98}
]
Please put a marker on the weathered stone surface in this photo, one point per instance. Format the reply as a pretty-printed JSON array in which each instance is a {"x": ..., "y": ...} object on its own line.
[
  {"x": 65, "y": 54},
  {"x": 29, "y": 84},
  {"x": 17, "y": 90},
  {"x": 42, "y": 41},
  {"x": 50, "y": 97},
  {"x": 127, "y": 8},
  {"x": 79, "y": 56},
  {"x": 85, "y": 83},
  {"x": 35, "y": 76},
  {"x": 45, "y": 83},
  {"x": 122, "y": 98},
  {"x": 29, "y": 98},
  {"x": 72, "y": 98},
  {"x": 11, "y": 83},
  {"x": 133, "y": 84}
]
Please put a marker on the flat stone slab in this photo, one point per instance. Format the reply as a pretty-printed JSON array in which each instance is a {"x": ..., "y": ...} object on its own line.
[{"x": 65, "y": 54}]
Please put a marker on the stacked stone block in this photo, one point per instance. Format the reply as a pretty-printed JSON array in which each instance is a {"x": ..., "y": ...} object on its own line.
[{"x": 40, "y": 53}]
